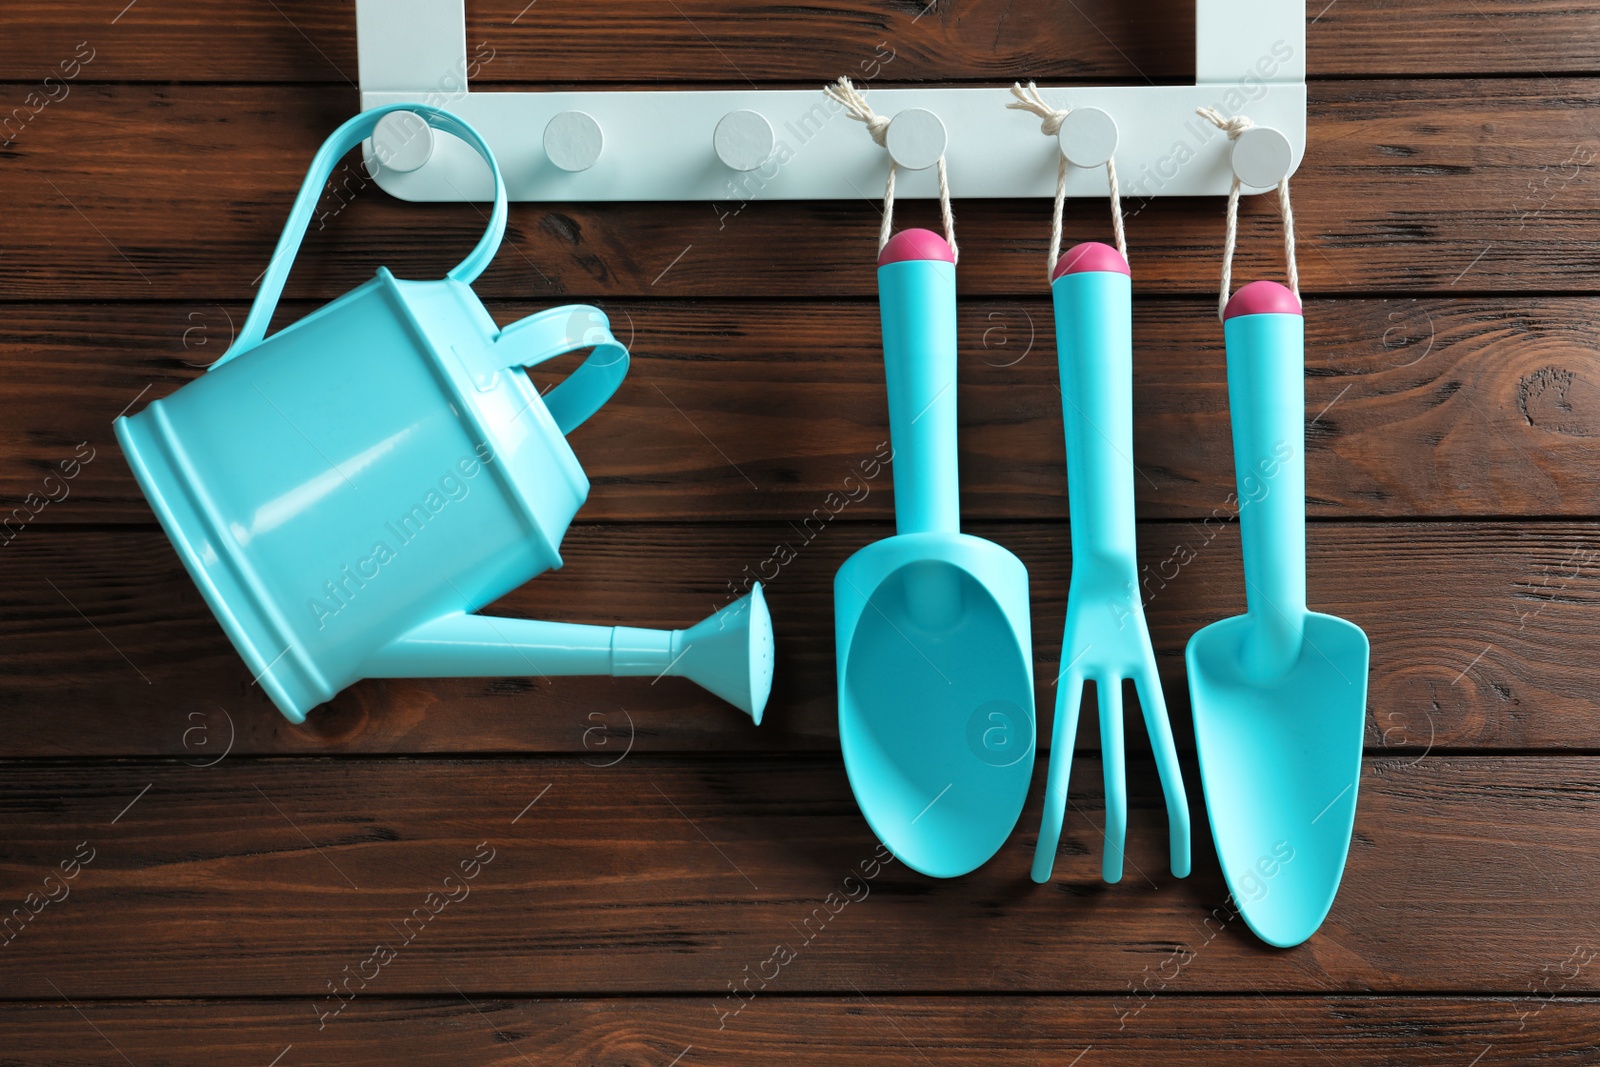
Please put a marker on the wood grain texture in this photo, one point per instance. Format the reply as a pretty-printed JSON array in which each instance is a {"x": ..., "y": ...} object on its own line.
[
  {"x": 1416, "y": 187},
  {"x": 270, "y": 877},
  {"x": 651, "y": 846},
  {"x": 759, "y": 411},
  {"x": 1408, "y": 39},
  {"x": 1481, "y": 636},
  {"x": 306, "y": 41},
  {"x": 643, "y": 43},
  {"x": 848, "y": 1030}
]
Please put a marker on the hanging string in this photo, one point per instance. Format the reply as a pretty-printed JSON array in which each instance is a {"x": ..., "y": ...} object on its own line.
[
  {"x": 1050, "y": 120},
  {"x": 1233, "y": 127},
  {"x": 946, "y": 216},
  {"x": 1287, "y": 211},
  {"x": 855, "y": 105},
  {"x": 1116, "y": 207}
]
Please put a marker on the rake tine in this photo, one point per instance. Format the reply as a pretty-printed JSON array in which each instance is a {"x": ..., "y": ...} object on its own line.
[
  {"x": 1069, "y": 697},
  {"x": 1159, "y": 728},
  {"x": 1108, "y": 690}
]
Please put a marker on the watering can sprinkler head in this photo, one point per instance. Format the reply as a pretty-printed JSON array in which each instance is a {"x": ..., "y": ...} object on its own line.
[{"x": 730, "y": 653}]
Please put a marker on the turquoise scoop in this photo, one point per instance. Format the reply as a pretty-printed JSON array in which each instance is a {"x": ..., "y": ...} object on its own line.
[
  {"x": 934, "y": 648},
  {"x": 1280, "y": 692},
  {"x": 350, "y": 491}
]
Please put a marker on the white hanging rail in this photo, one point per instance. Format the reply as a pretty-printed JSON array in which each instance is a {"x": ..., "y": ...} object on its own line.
[{"x": 791, "y": 144}]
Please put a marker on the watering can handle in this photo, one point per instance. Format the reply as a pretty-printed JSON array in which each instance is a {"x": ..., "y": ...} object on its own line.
[
  {"x": 557, "y": 331},
  {"x": 346, "y": 137}
]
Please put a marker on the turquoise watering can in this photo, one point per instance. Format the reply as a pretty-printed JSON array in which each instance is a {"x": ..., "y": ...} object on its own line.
[{"x": 348, "y": 492}]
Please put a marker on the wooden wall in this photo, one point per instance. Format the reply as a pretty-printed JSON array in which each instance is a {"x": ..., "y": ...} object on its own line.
[{"x": 650, "y": 846}]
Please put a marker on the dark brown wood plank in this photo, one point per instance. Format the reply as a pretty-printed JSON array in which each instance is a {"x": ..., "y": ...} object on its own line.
[
  {"x": 1408, "y": 39},
  {"x": 300, "y": 40},
  {"x": 760, "y": 411},
  {"x": 114, "y": 40},
  {"x": 637, "y": 41},
  {"x": 270, "y": 877},
  {"x": 846, "y": 1030},
  {"x": 1481, "y": 635},
  {"x": 1411, "y": 187}
]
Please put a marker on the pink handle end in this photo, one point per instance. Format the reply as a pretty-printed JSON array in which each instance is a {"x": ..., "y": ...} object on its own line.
[
  {"x": 915, "y": 244},
  {"x": 1263, "y": 298},
  {"x": 1091, "y": 255}
]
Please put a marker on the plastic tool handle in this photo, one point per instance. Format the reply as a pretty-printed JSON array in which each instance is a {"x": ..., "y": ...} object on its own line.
[
  {"x": 1094, "y": 345},
  {"x": 917, "y": 301},
  {"x": 1265, "y": 332}
]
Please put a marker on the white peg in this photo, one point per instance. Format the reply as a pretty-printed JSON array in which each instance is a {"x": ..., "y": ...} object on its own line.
[
  {"x": 1088, "y": 137},
  {"x": 573, "y": 140},
  {"x": 916, "y": 139},
  {"x": 402, "y": 142},
  {"x": 1261, "y": 157},
  {"x": 744, "y": 140}
]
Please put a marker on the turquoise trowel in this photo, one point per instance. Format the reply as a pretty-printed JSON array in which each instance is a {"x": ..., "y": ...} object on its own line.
[{"x": 1279, "y": 693}]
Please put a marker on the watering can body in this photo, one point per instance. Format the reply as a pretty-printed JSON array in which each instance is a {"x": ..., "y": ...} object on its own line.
[
  {"x": 356, "y": 476},
  {"x": 347, "y": 492}
]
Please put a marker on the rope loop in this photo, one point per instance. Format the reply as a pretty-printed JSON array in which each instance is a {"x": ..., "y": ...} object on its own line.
[
  {"x": 855, "y": 105},
  {"x": 1050, "y": 120},
  {"x": 1233, "y": 127}
]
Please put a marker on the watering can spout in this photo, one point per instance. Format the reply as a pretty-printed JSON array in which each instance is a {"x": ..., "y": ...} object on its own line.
[{"x": 729, "y": 653}]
